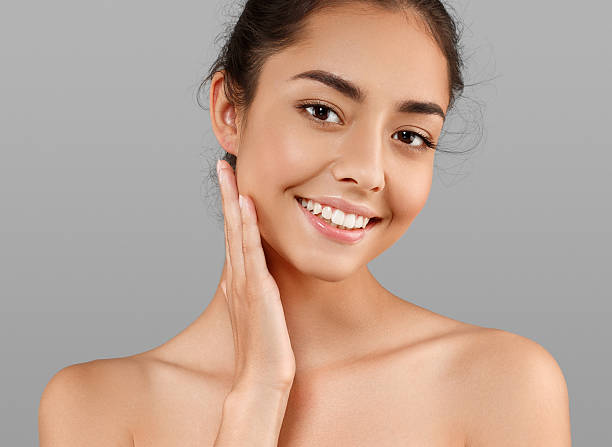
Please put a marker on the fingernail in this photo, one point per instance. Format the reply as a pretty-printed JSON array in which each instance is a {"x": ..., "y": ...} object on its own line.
[{"x": 241, "y": 201}]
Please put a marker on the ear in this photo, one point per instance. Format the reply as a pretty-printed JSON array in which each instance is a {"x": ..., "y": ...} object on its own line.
[{"x": 223, "y": 115}]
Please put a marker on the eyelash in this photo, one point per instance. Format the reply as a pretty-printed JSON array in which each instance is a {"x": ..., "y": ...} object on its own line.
[{"x": 427, "y": 143}]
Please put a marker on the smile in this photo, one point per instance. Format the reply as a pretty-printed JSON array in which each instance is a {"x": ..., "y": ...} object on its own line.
[{"x": 334, "y": 223}]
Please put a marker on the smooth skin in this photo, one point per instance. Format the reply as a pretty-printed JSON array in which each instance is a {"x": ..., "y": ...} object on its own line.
[{"x": 371, "y": 368}]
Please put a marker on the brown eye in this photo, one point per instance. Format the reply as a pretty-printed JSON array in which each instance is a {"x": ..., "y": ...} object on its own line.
[
  {"x": 410, "y": 137},
  {"x": 320, "y": 113}
]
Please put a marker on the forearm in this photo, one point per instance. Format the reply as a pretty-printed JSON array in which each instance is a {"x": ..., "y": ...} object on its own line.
[{"x": 252, "y": 417}]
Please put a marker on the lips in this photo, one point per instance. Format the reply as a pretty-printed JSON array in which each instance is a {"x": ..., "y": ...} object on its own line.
[{"x": 337, "y": 234}]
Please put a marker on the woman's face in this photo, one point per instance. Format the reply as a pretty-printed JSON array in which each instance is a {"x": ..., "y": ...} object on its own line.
[{"x": 359, "y": 150}]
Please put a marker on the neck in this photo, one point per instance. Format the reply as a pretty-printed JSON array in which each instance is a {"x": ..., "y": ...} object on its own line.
[{"x": 328, "y": 322}]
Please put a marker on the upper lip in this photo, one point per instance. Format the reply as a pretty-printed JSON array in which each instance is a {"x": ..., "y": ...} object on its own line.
[{"x": 343, "y": 205}]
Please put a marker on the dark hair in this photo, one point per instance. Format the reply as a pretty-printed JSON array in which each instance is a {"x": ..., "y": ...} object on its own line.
[{"x": 266, "y": 27}]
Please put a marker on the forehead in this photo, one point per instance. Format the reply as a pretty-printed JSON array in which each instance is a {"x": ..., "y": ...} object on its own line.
[{"x": 390, "y": 55}]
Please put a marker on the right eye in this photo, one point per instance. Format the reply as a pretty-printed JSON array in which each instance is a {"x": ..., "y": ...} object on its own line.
[{"x": 319, "y": 112}]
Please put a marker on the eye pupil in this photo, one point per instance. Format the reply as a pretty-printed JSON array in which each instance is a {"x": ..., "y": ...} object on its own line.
[
  {"x": 319, "y": 109},
  {"x": 411, "y": 136}
]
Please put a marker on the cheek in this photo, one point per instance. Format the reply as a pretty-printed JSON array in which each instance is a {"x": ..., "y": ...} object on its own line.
[
  {"x": 409, "y": 194},
  {"x": 280, "y": 153}
]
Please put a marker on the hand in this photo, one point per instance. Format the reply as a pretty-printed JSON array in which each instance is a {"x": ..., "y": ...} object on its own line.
[{"x": 263, "y": 353}]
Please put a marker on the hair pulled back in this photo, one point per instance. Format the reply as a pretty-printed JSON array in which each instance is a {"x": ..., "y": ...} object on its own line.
[{"x": 266, "y": 27}]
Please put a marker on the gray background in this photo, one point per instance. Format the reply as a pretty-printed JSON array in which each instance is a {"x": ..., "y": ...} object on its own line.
[{"x": 108, "y": 246}]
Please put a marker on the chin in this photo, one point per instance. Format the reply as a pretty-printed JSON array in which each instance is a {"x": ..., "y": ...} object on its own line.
[
  {"x": 311, "y": 263},
  {"x": 330, "y": 270}
]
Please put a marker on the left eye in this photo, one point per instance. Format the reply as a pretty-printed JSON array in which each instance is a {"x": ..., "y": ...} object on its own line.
[{"x": 412, "y": 137}]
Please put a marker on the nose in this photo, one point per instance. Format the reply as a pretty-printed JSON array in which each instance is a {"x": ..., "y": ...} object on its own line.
[{"x": 360, "y": 160}]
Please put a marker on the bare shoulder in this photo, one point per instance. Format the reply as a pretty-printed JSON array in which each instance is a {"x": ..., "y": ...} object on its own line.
[
  {"x": 126, "y": 401},
  {"x": 508, "y": 390},
  {"x": 92, "y": 403},
  {"x": 515, "y": 391},
  {"x": 501, "y": 356}
]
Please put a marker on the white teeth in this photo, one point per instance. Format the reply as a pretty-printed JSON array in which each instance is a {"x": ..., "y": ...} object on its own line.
[
  {"x": 336, "y": 218},
  {"x": 349, "y": 221},
  {"x": 327, "y": 212}
]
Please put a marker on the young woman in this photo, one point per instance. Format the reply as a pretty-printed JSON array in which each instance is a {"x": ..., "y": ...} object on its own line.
[{"x": 330, "y": 113}]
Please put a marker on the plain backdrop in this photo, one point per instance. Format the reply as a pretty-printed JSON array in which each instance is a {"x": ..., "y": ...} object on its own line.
[{"x": 109, "y": 246}]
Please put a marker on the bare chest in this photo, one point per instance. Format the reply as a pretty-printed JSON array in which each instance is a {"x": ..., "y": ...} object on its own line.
[
  {"x": 369, "y": 410},
  {"x": 363, "y": 405}
]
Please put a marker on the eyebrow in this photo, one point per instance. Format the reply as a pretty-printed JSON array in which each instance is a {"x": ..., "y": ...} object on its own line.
[{"x": 352, "y": 91}]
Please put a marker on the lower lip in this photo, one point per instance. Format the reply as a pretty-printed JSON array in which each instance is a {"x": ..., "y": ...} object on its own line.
[{"x": 350, "y": 236}]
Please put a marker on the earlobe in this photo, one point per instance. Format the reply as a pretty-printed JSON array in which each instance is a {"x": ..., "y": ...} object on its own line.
[{"x": 223, "y": 115}]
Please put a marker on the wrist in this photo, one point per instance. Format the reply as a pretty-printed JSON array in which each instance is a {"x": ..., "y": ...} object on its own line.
[
  {"x": 252, "y": 412},
  {"x": 252, "y": 389},
  {"x": 267, "y": 404},
  {"x": 247, "y": 383}
]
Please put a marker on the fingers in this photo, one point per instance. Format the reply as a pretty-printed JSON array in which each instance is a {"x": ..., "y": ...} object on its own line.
[
  {"x": 228, "y": 268},
  {"x": 233, "y": 223},
  {"x": 247, "y": 263},
  {"x": 255, "y": 266},
  {"x": 228, "y": 259}
]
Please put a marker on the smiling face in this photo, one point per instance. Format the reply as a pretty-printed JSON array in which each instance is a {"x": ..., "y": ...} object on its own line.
[{"x": 354, "y": 144}]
